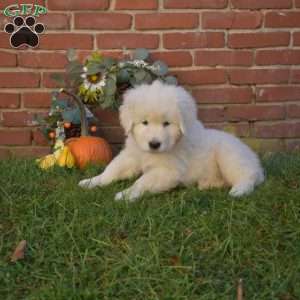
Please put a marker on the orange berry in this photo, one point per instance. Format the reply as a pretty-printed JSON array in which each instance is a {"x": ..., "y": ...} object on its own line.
[
  {"x": 51, "y": 135},
  {"x": 93, "y": 128},
  {"x": 67, "y": 125}
]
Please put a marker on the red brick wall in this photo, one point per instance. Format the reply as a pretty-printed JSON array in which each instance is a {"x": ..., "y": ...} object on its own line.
[{"x": 240, "y": 59}]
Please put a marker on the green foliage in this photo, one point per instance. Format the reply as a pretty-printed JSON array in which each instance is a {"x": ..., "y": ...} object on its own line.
[
  {"x": 183, "y": 245},
  {"x": 113, "y": 74},
  {"x": 71, "y": 115},
  {"x": 160, "y": 68},
  {"x": 141, "y": 54}
]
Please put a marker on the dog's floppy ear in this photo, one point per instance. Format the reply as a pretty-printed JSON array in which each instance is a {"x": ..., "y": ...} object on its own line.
[
  {"x": 186, "y": 108},
  {"x": 126, "y": 118}
]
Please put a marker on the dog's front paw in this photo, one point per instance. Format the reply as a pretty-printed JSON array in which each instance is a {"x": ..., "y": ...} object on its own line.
[
  {"x": 126, "y": 195},
  {"x": 241, "y": 190},
  {"x": 87, "y": 183}
]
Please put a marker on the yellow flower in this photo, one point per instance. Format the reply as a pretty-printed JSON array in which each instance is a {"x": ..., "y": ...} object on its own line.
[{"x": 47, "y": 161}]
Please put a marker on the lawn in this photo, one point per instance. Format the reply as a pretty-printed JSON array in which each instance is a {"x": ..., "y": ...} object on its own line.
[{"x": 184, "y": 244}]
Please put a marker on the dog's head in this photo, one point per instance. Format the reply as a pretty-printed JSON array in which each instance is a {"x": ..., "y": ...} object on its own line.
[{"x": 157, "y": 115}]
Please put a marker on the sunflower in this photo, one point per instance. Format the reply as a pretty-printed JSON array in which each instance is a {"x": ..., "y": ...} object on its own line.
[{"x": 92, "y": 86}]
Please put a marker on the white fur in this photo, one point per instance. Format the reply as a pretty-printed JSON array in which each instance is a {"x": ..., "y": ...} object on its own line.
[{"x": 188, "y": 154}]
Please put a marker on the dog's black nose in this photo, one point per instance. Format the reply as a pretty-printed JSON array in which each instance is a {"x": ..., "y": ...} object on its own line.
[{"x": 154, "y": 145}]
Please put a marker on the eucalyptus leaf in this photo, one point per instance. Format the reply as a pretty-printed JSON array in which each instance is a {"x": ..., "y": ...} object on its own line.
[
  {"x": 123, "y": 76},
  {"x": 74, "y": 67},
  {"x": 148, "y": 78},
  {"x": 61, "y": 104},
  {"x": 140, "y": 54},
  {"x": 108, "y": 62},
  {"x": 140, "y": 75},
  {"x": 72, "y": 115},
  {"x": 110, "y": 87},
  {"x": 94, "y": 69},
  {"x": 171, "y": 80},
  {"x": 59, "y": 78},
  {"x": 71, "y": 55},
  {"x": 132, "y": 81},
  {"x": 160, "y": 68}
]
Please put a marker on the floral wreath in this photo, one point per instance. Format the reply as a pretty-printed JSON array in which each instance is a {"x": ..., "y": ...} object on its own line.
[{"x": 99, "y": 81}]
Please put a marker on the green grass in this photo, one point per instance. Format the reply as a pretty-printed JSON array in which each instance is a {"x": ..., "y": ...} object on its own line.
[{"x": 184, "y": 244}]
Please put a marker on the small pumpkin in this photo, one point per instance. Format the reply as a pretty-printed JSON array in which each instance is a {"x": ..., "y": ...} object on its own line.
[{"x": 89, "y": 149}]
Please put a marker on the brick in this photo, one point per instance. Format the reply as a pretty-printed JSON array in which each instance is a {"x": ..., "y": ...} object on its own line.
[
  {"x": 255, "y": 113},
  {"x": 295, "y": 76},
  {"x": 57, "y": 41},
  {"x": 296, "y": 39},
  {"x": 278, "y": 130},
  {"x": 78, "y": 4},
  {"x": 39, "y": 139},
  {"x": 9, "y": 100},
  {"x": 127, "y": 40},
  {"x": 136, "y": 4},
  {"x": 19, "y": 79},
  {"x": 224, "y": 58},
  {"x": 231, "y": 20},
  {"x": 237, "y": 129},
  {"x": 5, "y": 3},
  {"x": 259, "y": 4},
  {"x": 174, "y": 58},
  {"x": 48, "y": 60},
  {"x": 4, "y": 153},
  {"x": 278, "y": 57},
  {"x": 223, "y": 95},
  {"x": 17, "y": 118},
  {"x": 293, "y": 111},
  {"x": 30, "y": 152},
  {"x": 282, "y": 19},
  {"x": 258, "y": 40},
  {"x": 207, "y": 115},
  {"x": 166, "y": 21},
  {"x": 259, "y": 76},
  {"x": 113, "y": 21},
  {"x": 112, "y": 134},
  {"x": 195, "y": 4},
  {"x": 49, "y": 82},
  {"x": 55, "y": 21},
  {"x": 15, "y": 137},
  {"x": 8, "y": 59},
  {"x": 293, "y": 145},
  {"x": 36, "y": 100},
  {"x": 278, "y": 94},
  {"x": 192, "y": 40},
  {"x": 202, "y": 76},
  {"x": 4, "y": 40}
]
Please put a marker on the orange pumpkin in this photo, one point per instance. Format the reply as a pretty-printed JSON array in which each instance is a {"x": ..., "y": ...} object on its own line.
[{"x": 89, "y": 149}]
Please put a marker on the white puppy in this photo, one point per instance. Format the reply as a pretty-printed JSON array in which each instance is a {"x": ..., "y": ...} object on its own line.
[{"x": 167, "y": 145}]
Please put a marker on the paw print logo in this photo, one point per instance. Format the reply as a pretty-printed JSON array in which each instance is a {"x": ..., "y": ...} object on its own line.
[{"x": 24, "y": 32}]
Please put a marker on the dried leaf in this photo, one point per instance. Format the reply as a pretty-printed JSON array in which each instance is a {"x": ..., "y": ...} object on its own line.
[
  {"x": 240, "y": 289},
  {"x": 175, "y": 260},
  {"x": 19, "y": 251}
]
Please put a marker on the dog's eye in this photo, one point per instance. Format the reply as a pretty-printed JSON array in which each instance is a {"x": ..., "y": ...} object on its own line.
[
  {"x": 145, "y": 122},
  {"x": 165, "y": 124}
]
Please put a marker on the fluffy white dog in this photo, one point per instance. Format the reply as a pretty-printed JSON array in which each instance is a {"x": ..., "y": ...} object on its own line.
[{"x": 167, "y": 145}]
